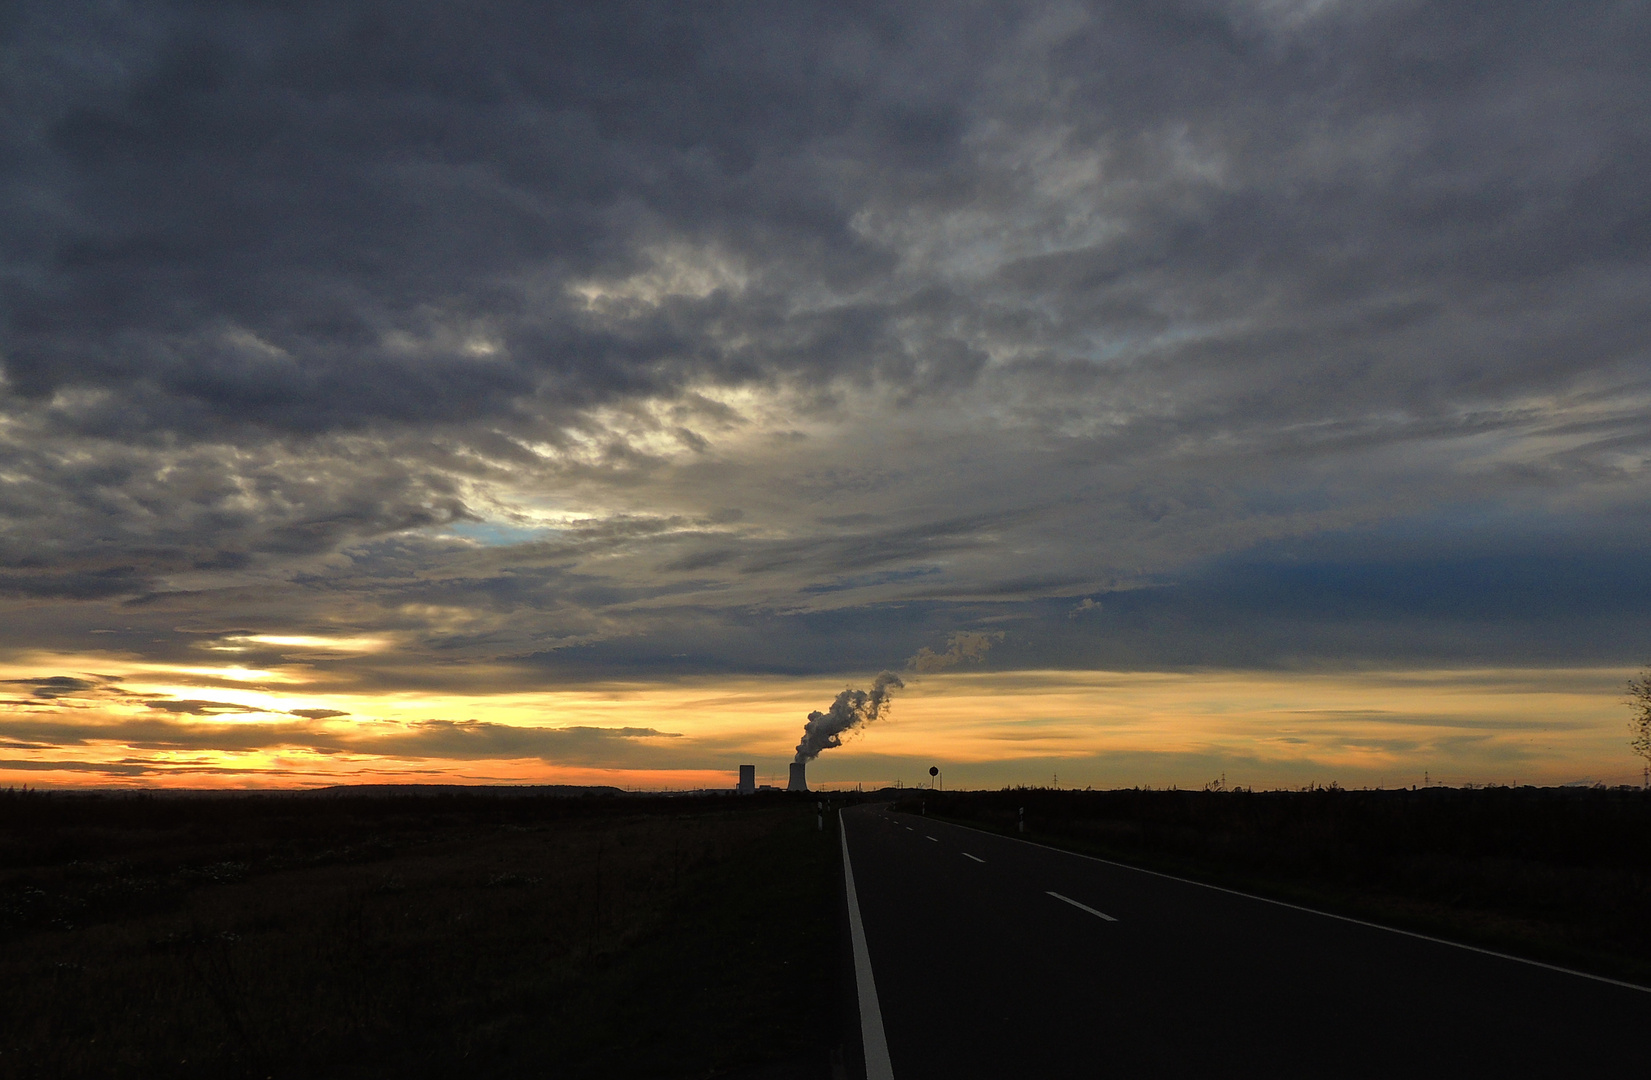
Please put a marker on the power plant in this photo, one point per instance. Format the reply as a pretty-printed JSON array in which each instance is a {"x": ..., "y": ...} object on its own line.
[{"x": 748, "y": 780}]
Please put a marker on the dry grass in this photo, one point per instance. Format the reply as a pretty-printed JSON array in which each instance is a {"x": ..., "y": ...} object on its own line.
[{"x": 271, "y": 937}]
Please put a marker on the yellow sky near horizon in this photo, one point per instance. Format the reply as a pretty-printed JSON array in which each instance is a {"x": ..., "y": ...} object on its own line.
[{"x": 203, "y": 726}]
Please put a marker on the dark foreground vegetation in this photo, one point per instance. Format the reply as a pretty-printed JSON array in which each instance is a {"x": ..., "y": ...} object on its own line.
[
  {"x": 1561, "y": 875},
  {"x": 448, "y": 935}
]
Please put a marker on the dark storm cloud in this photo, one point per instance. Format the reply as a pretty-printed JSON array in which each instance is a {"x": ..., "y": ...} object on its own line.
[
  {"x": 197, "y": 707},
  {"x": 773, "y": 337},
  {"x": 162, "y": 733},
  {"x": 461, "y": 739},
  {"x": 243, "y": 209},
  {"x": 56, "y": 686},
  {"x": 309, "y": 218},
  {"x": 427, "y": 739},
  {"x": 1391, "y": 599},
  {"x": 70, "y": 765}
]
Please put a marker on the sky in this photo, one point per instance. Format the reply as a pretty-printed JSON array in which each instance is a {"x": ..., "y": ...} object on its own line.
[{"x": 1165, "y": 391}]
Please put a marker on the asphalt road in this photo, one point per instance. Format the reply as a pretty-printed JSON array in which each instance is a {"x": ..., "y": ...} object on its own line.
[{"x": 993, "y": 957}]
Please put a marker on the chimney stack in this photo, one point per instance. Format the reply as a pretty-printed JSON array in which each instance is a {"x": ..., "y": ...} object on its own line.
[{"x": 799, "y": 782}]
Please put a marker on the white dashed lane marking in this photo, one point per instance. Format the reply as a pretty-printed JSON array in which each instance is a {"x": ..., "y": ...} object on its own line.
[{"x": 1083, "y": 907}]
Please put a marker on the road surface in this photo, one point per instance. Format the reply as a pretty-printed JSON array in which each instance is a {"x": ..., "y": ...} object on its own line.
[{"x": 993, "y": 957}]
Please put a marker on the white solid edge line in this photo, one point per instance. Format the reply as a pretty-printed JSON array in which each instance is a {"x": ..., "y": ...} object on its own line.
[
  {"x": 1316, "y": 911},
  {"x": 976, "y": 858},
  {"x": 872, "y": 1039},
  {"x": 1085, "y": 907}
]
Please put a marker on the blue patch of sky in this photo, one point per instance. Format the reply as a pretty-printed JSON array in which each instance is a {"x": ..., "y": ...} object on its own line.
[
  {"x": 495, "y": 533},
  {"x": 866, "y": 581}
]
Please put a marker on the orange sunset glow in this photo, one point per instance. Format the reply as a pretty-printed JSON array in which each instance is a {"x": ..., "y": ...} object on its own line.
[{"x": 230, "y": 726}]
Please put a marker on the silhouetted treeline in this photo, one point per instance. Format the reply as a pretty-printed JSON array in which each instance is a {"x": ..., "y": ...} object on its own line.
[{"x": 1560, "y": 873}]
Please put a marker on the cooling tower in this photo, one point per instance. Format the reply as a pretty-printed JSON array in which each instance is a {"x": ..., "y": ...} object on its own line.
[
  {"x": 748, "y": 779},
  {"x": 799, "y": 782}
]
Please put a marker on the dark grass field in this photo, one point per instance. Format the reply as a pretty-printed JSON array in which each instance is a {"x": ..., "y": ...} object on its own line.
[
  {"x": 282, "y": 936},
  {"x": 1561, "y": 875}
]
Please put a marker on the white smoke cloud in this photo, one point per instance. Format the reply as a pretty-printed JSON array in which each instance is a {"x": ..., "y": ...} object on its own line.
[
  {"x": 962, "y": 645},
  {"x": 852, "y": 709}
]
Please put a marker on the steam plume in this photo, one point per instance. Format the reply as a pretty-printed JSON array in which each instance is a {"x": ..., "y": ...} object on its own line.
[
  {"x": 961, "y": 646},
  {"x": 852, "y": 709}
]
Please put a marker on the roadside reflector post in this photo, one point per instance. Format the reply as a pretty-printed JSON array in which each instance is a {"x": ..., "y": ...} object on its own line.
[
  {"x": 1022, "y": 819},
  {"x": 819, "y": 817}
]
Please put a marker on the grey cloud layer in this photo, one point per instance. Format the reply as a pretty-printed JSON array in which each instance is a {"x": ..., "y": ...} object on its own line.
[{"x": 784, "y": 336}]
